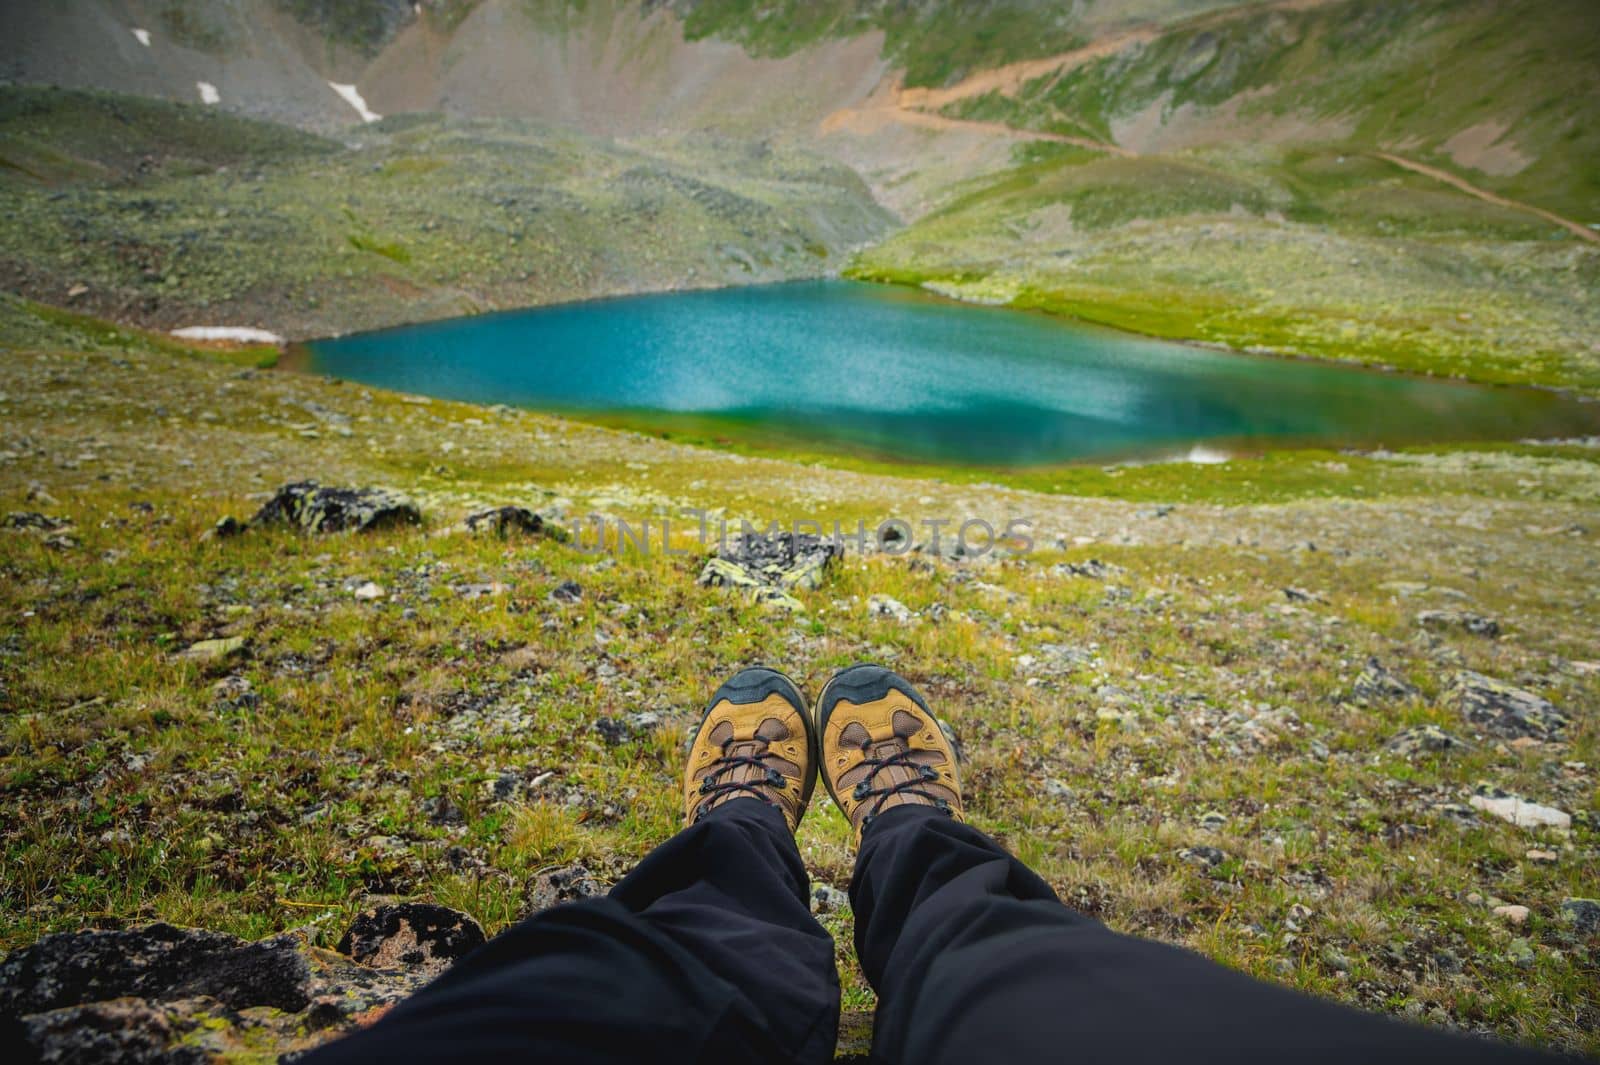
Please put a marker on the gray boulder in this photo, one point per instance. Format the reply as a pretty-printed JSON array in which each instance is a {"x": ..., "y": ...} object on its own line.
[
  {"x": 1464, "y": 621},
  {"x": 310, "y": 507},
  {"x": 505, "y": 521},
  {"x": 1424, "y": 739},
  {"x": 1504, "y": 710},
  {"x": 1377, "y": 684}
]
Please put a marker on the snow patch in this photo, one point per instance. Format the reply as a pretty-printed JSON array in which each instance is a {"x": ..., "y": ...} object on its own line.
[
  {"x": 1201, "y": 455},
  {"x": 208, "y": 92},
  {"x": 354, "y": 99},
  {"x": 241, "y": 333},
  {"x": 144, "y": 37}
]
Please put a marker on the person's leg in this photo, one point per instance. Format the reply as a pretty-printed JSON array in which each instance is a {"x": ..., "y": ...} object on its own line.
[
  {"x": 975, "y": 959},
  {"x": 707, "y": 951}
]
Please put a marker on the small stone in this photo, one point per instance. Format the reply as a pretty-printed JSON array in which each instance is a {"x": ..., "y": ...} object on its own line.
[
  {"x": 567, "y": 592},
  {"x": 505, "y": 521},
  {"x": 1582, "y": 914},
  {"x": 1515, "y": 916},
  {"x": 1445, "y": 620},
  {"x": 1517, "y": 810},
  {"x": 1539, "y": 857},
  {"x": 1520, "y": 953},
  {"x": 1203, "y": 857},
  {"x": 617, "y": 730},
  {"x": 369, "y": 592},
  {"x": 826, "y": 898},
  {"x": 415, "y": 935},
  {"x": 226, "y": 528},
  {"x": 1213, "y": 820},
  {"x": 883, "y": 606},
  {"x": 1334, "y": 959},
  {"x": 1377, "y": 684},
  {"x": 566, "y": 884},
  {"x": 1093, "y": 569},
  {"x": 1057, "y": 790},
  {"x": 214, "y": 650},
  {"x": 1424, "y": 739}
]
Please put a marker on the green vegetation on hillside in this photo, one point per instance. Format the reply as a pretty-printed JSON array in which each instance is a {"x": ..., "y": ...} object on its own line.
[
  {"x": 1523, "y": 77},
  {"x": 934, "y": 40},
  {"x": 169, "y": 214},
  {"x": 1309, "y": 251}
]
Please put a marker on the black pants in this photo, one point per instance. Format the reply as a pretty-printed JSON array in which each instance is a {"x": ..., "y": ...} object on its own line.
[{"x": 708, "y": 952}]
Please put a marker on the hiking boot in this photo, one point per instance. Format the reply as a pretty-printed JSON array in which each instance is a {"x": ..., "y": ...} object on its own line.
[
  {"x": 754, "y": 742},
  {"x": 879, "y": 746}
]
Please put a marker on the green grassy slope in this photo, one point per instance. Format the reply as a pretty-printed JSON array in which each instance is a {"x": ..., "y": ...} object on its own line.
[{"x": 1309, "y": 251}]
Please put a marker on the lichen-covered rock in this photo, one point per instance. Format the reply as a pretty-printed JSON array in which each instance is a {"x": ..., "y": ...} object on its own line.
[
  {"x": 159, "y": 961},
  {"x": 31, "y": 519},
  {"x": 770, "y": 567},
  {"x": 310, "y": 507},
  {"x": 505, "y": 521},
  {"x": 1377, "y": 684},
  {"x": 1093, "y": 569},
  {"x": 1424, "y": 739},
  {"x": 129, "y": 1031},
  {"x": 1504, "y": 710},
  {"x": 1582, "y": 914},
  {"x": 566, "y": 884},
  {"x": 886, "y": 606},
  {"x": 414, "y": 935},
  {"x": 1465, "y": 621}
]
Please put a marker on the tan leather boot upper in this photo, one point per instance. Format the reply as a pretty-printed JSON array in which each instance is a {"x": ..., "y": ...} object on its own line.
[
  {"x": 881, "y": 747},
  {"x": 754, "y": 742}
]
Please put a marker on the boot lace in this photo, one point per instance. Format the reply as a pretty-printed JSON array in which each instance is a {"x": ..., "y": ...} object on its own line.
[
  {"x": 713, "y": 788},
  {"x": 910, "y": 786}
]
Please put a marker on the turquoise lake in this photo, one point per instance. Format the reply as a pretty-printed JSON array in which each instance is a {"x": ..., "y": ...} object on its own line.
[{"x": 873, "y": 370}]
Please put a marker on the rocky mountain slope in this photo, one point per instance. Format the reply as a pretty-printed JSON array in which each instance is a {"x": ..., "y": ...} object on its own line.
[{"x": 171, "y": 215}]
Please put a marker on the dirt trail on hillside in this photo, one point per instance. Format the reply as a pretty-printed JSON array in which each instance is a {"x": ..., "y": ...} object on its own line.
[
  {"x": 872, "y": 116},
  {"x": 1009, "y": 79},
  {"x": 921, "y": 106},
  {"x": 1488, "y": 197}
]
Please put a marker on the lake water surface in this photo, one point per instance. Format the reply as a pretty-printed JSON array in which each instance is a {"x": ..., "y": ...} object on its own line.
[{"x": 838, "y": 365}]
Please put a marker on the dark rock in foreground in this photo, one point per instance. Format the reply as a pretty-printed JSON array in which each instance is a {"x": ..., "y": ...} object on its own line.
[
  {"x": 180, "y": 995},
  {"x": 1503, "y": 710},
  {"x": 309, "y": 507},
  {"x": 415, "y": 935},
  {"x": 156, "y": 962}
]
